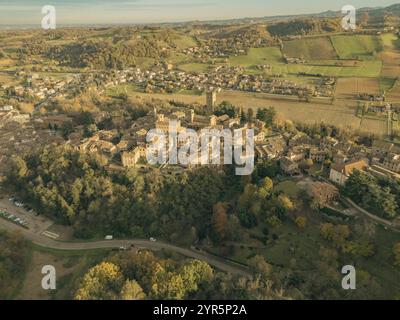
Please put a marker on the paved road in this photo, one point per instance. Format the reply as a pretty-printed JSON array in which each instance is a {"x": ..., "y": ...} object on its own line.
[
  {"x": 379, "y": 220},
  {"x": 45, "y": 242}
]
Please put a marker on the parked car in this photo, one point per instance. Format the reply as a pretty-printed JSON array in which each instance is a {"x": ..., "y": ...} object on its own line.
[
  {"x": 108, "y": 237},
  {"x": 153, "y": 239}
]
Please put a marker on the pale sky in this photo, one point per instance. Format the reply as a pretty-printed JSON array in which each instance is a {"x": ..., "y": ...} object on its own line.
[{"x": 17, "y": 12}]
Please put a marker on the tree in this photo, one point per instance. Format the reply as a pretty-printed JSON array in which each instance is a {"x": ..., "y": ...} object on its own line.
[
  {"x": 220, "y": 219},
  {"x": 264, "y": 169},
  {"x": 267, "y": 185},
  {"x": 258, "y": 265},
  {"x": 364, "y": 189},
  {"x": 226, "y": 108},
  {"x": 267, "y": 115},
  {"x": 18, "y": 168},
  {"x": 301, "y": 222},
  {"x": 234, "y": 231},
  {"x": 102, "y": 282},
  {"x": 168, "y": 286},
  {"x": 142, "y": 266},
  {"x": 285, "y": 202},
  {"x": 194, "y": 273},
  {"x": 274, "y": 221},
  {"x": 359, "y": 248},
  {"x": 338, "y": 234},
  {"x": 131, "y": 290}
]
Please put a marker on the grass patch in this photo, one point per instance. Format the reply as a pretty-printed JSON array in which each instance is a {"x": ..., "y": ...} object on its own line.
[
  {"x": 185, "y": 42},
  {"x": 289, "y": 187},
  {"x": 310, "y": 49},
  {"x": 357, "y": 46},
  {"x": 391, "y": 41},
  {"x": 255, "y": 56},
  {"x": 194, "y": 67}
]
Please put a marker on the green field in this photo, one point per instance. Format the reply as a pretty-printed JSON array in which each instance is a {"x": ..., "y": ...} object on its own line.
[
  {"x": 391, "y": 41},
  {"x": 289, "y": 187},
  {"x": 357, "y": 46},
  {"x": 330, "y": 67},
  {"x": 185, "y": 42},
  {"x": 270, "y": 55},
  {"x": 369, "y": 68},
  {"x": 310, "y": 49},
  {"x": 194, "y": 67}
]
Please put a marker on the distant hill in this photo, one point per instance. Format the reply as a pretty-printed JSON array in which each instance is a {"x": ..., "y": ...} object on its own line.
[
  {"x": 390, "y": 11},
  {"x": 304, "y": 27}
]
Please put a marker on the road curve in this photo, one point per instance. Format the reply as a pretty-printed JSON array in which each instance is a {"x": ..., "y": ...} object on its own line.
[{"x": 46, "y": 242}]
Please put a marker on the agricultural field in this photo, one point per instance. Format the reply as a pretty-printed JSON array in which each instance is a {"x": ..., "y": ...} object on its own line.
[
  {"x": 390, "y": 56},
  {"x": 357, "y": 46},
  {"x": 391, "y": 41},
  {"x": 194, "y": 67},
  {"x": 270, "y": 55},
  {"x": 330, "y": 67},
  {"x": 393, "y": 94},
  {"x": 347, "y": 88},
  {"x": 373, "y": 125},
  {"x": 319, "y": 48},
  {"x": 288, "y": 109}
]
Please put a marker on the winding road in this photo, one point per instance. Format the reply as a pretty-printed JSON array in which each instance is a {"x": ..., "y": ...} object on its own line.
[{"x": 45, "y": 242}]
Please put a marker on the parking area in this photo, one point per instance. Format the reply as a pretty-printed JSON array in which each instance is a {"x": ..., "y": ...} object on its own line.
[{"x": 15, "y": 211}]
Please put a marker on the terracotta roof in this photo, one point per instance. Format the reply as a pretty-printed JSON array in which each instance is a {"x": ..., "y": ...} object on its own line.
[{"x": 348, "y": 168}]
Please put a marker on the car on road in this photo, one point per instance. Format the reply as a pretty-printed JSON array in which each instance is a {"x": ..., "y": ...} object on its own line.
[
  {"x": 153, "y": 239},
  {"x": 109, "y": 237}
]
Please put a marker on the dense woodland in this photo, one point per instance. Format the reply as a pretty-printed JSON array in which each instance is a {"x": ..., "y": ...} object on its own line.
[
  {"x": 139, "y": 276},
  {"x": 76, "y": 189},
  {"x": 380, "y": 197}
]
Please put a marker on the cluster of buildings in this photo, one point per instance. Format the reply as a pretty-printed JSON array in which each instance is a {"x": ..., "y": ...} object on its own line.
[
  {"x": 292, "y": 150},
  {"x": 21, "y": 135},
  {"x": 8, "y": 115},
  {"x": 225, "y": 48},
  {"x": 371, "y": 97},
  {"x": 43, "y": 90},
  {"x": 39, "y": 87},
  {"x": 163, "y": 79},
  {"x": 184, "y": 119},
  {"x": 289, "y": 60},
  {"x": 383, "y": 107},
  {"x": 128, "y": 147}
]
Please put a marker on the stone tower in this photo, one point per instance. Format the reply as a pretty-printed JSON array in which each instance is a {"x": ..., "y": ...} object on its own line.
[{"x": 211, "y": 101}]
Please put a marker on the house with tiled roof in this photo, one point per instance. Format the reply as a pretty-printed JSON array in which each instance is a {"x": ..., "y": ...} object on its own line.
[{"x": 341, "y": 172}]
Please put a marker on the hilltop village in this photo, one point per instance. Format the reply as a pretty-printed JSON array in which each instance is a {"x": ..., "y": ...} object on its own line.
[{"x": 21, "y": 133}]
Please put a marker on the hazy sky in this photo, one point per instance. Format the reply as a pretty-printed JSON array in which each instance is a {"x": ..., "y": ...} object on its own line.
[{"x": 13, "y": 12}]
